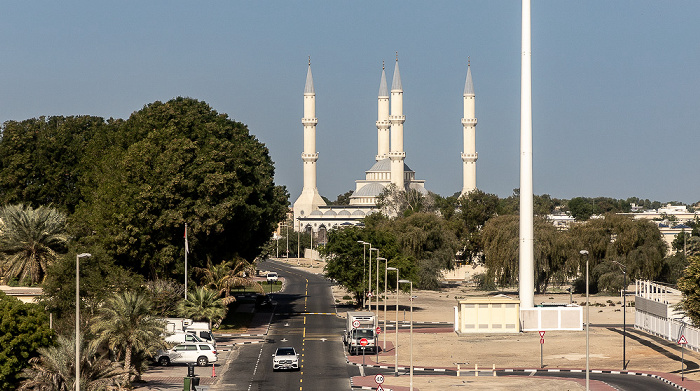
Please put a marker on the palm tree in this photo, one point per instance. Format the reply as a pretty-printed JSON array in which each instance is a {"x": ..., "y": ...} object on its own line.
[
  {"x": 54, "y": 369},
  {"x": 202, "y": 304},
  {"x": 222, "y": 277},
  {"x": 29, "y": 240},
  {"x": 127, "y": 325}
]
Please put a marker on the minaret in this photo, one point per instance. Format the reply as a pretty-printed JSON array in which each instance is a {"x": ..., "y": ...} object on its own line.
[
  {"x": 383, "y": 123},
  {"x": 310, "y": 199},
  {"x": 397, "y": 155},
  {"x": 469, "y": 155}
]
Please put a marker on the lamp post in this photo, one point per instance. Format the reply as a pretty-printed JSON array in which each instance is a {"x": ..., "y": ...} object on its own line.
[
  {"x": 584, "y": 254},
  {"x": 369, "y": 282},
  {"x": 286, "y": 226},
  {"x": 299, "y": 241},
  {"x": 77, "y": 318},
  {"x": 623, "y": 268},
  {"x": 364, "y": 267},
  {"x": 411, "y": 332},
  {"x": 396, "y": 343},
  {"x": 386, "y": 274}
]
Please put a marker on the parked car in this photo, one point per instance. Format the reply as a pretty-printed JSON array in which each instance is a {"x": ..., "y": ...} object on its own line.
[
  {"x": 200, "y": 353},
  {"x": 272, "y": 277},
  {"x": 285, "y": 358},
  {"x": 181, "y": 337}
]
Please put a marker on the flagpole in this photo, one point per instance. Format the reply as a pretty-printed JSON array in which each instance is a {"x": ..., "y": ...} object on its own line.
[{"x": 186, "y": 251}]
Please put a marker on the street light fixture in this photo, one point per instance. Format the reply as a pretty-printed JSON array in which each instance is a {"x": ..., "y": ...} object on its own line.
[
  {"x": 623, "y": 268},
  {"x": 396, "y": 343},
  {"x": 369, "y": 282},
  {"x": 411, "y": 332},
  {"x": 77, "y": 318},
  {"x": 584, "y": 254}
]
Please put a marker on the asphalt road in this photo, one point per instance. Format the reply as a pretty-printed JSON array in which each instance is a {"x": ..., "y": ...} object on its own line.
[{"x": 304, "y": 319}]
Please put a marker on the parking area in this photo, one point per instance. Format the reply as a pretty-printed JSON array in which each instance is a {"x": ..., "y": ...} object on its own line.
[{"x": 170, "y": 378}]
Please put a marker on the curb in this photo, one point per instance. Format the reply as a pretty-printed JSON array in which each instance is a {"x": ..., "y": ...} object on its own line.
[{"x": 663, "y": 379}]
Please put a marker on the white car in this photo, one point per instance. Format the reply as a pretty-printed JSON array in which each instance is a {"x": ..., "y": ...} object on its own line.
[
  {"x": 285, "y": 358},
  {"x": 272, "y": 277},
  {"x": 200, "y": 353}
]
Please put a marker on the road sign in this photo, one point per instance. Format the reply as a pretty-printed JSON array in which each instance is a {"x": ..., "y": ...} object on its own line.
[
  {"x": 541, "y": 334},
  {"x": 379, "y": 378},
  {"x": 379, "y": 330},
  {"x": 682, "y": 340},
  {"x": 542, "y": 340},
  {"x": 355, "y": 323},
  {"x": 379, "y": 387},
  {"x": 364, "y": 342}
]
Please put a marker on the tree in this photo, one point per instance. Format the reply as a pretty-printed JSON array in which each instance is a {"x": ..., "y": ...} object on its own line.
[
  {"x": 402, "y": 202},
  {"x": 54, "y": 369},
  {"x": 30, "y": 240},
  {"x": 580, "y": 208},
  {"x": 202, "y": 304},
  {"x": 165, "y": 295},
  {"x": 689, "y": 284},
  {"x": 44, "y": 161},
  {"x": 186, "y": 164},
  {"x": 224, "y": 276},
  {"x": 100, "y": 279},
  {"x": 24, "y": 328},
  {"x": 127, "y": 325},
  {"x": 344, "y": 260}
]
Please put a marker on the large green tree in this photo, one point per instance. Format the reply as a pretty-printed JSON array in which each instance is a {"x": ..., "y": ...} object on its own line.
[
  {"x": 43, "y": 161},
  {"x": 24, "y": 328},
  {"x": 186, "y": 164},
  {"x": 689, "y": 284},
  {"x": 30, "y": 240},
  {"x": 203, "y": 304}
]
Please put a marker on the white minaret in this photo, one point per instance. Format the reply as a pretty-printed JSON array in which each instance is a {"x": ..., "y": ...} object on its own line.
[
  {"x": 397, "y": 155},
  {"x": 469, "y": 155},
  {"x": 310, "y": 199},
  {"x": 383, "y": 123},
  {"x": 526, "y": 277}
]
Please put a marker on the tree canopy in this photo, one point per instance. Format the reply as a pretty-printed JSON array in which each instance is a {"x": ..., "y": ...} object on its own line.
[{"x": 186, "y": 164}]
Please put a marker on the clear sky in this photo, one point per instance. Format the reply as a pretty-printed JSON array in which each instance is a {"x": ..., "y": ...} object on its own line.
[{"x": 615, "y": 83}]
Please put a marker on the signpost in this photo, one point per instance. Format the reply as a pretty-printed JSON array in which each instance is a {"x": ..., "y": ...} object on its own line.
[
  {"x": 682, "y": 341},
  {"x": 363, "y": 343},
  {"x": 379, "y": 379},
  {"x": 379, "y": 330},
  {"x": 541, "y": 348}
]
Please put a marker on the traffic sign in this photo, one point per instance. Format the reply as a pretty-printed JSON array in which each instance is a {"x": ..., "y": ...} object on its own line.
[
  {"x": 379, "y": 387},
  {"x": 542, "y": 340},
  {"x": 364, "y": 341},
  {"x": 379, "y": 378},
  {"x": 541, "y": 334},
  {"x": 355, "y": 323},
  {"x": 379, "y": 330},
  {"x": 682, "y": 340}
]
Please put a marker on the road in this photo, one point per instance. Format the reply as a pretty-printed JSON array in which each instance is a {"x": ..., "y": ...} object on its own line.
[{"x": 304, "y": 318}]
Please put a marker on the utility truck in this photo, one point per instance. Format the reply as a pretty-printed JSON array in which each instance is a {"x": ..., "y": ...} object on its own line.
[{"x": 360, "y": 331}]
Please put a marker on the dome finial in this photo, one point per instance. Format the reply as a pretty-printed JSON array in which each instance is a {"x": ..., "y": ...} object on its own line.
[
  {"x": 397, "y": 56},
  {"x": 469, "y": 60},
  {"x": 309, "y": 60},
  {"x": 382, "y": 64}
]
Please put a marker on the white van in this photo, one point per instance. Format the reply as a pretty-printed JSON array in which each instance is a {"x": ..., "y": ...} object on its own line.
[
  {"x": 202, "y": 330},
  {"x": 180, "y": 337}
]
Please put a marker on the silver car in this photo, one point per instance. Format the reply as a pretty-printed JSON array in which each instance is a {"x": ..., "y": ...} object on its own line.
[
  {"x": 285, "y": 358},
  {"x": 200, "y": 353}
]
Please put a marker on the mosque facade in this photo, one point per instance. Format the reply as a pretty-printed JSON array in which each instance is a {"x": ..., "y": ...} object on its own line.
[{"x": 310, "y": 210}]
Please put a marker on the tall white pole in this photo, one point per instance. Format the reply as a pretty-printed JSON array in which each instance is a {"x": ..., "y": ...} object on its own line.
[
  {"x": 186, "y": 251},
  {"x": 369, "y": 283},
  {"x": 411, "y": 333},
  {"x": 584, "y": 253},
  {"x": 386, "y": 275},
  {"x": 527, "y": 257}
]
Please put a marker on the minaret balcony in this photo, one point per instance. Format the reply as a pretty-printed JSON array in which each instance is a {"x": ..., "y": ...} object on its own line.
[
  {"x": 397, "y": 119},
  {"x": 397, "y": 155},
  {"x": 309, "y": 121},
  {"x": 309, "y": 157},
  {"x": 468, "y": 121},
  {"x": 383, "y": 124},
  {"x": 469, "y": 157}
]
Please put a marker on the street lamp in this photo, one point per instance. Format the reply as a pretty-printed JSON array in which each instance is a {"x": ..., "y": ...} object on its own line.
[
  {"x": 299, "y": 241},
  {"x": 386, "y": 272},
  {"x": 584, "y": 254},
  {"x": 364, "y": 253},
  {"x": 623, "y": 268},
  {"x": 77, "y": 318},
  {"x": 369, "y": 282},
  {"x": 411, "y": 332},
  {"x": 396, "y": 343}
]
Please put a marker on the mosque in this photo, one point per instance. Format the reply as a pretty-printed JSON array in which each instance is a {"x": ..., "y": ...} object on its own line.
[{"x": 310, "y": 210}]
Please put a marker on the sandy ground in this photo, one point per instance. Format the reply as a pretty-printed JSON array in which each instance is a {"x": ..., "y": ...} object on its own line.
[{"x": 562, "y": 349}]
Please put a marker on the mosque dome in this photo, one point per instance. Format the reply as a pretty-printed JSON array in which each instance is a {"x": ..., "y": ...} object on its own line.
[{"x": 369, "y": 190}]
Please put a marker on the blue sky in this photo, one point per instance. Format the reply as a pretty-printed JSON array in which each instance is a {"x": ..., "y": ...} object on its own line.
[{"x": 615, "y": 83}]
